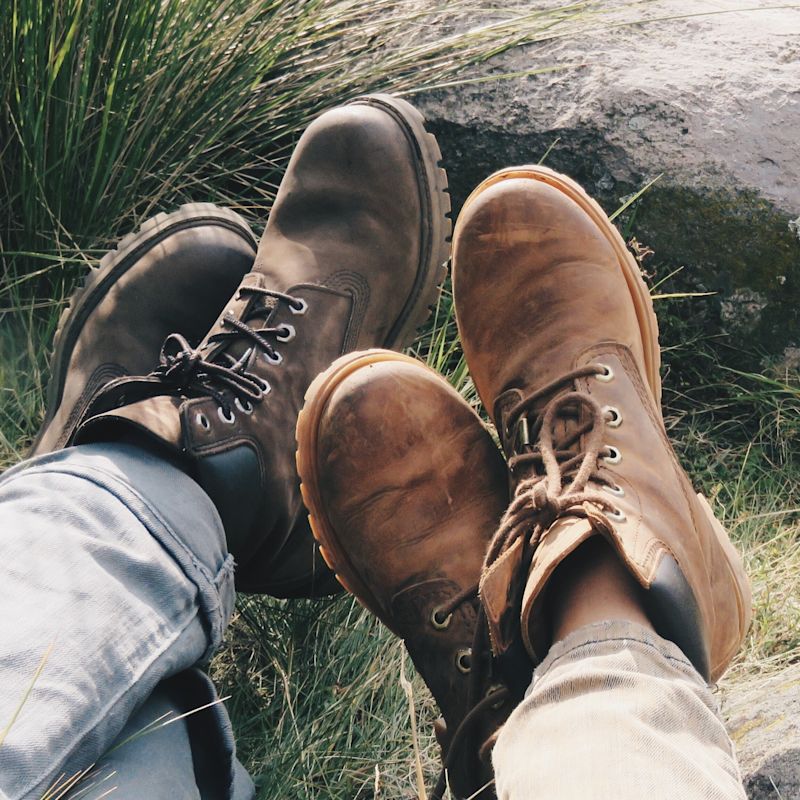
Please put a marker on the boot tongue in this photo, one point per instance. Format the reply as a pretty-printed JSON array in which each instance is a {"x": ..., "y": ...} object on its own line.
[{"x": 252, "y": 308}]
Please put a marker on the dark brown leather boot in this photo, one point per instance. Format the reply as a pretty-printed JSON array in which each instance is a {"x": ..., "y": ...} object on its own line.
[
  {"x": 352, "y": 257},
  {"x": 561, "y": 341},
  {"x": 404, "y": 487},
  {"x": 173, "y": 274}
]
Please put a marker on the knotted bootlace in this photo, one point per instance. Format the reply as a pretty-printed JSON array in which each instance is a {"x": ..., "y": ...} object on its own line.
[
  {"x": 575, "y": 457},
  {"x": 210, "y": 370},
  {"x": 560, "y": 470}
]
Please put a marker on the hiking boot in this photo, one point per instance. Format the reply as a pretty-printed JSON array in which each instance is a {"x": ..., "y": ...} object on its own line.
[
  {"x": 352, "y": 256},
  {"x": 404, "y": 488},
  {"x": 561, "y": 340},
  {"x": 173, "y": 274}
]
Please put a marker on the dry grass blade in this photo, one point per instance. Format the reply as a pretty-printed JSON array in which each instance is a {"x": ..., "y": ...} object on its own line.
[
  {"x": 24, "y": 699},
  {"x": 408, "y": 689}
]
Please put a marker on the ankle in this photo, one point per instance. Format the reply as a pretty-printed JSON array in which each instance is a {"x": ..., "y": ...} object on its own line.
[{"x": 592, "y": 585}]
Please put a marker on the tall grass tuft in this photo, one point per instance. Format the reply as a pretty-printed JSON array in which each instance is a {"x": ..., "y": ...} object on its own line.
[{"x": 111, "y": 109}]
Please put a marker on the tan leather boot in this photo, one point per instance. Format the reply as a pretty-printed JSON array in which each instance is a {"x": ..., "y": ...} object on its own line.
[
  {"x": 173, "y": 274},
  {"x": 561, "y": 341},
  {"x": 352, "y": 256},
  {"x": 404, "y": 487}
]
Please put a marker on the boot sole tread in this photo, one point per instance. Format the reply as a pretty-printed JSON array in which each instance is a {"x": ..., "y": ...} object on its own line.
[{"x": 434, "y": 179}]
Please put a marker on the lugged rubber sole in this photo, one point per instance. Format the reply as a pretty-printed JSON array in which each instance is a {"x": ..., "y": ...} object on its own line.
[
  {"x": 114, "y": 264},
  {"x": 435, "y": 199},
  {"x": 316, "y": 401},
  {"x": 648, "y": 324}
]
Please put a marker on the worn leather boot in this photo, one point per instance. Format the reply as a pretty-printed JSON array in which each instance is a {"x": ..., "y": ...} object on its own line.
[
  {"x": 173, "y": 274},
  {"x": 352, "y": 256},
  {"x": 561, "y": 340},
  {"x": 404, "y": 487}
]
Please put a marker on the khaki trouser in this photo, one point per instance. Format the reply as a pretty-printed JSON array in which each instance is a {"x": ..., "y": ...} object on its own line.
[{"x": 614, "y": 711}]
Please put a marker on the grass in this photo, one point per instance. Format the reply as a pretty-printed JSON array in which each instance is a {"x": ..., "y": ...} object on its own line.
[{"x": 110, "y": 111}]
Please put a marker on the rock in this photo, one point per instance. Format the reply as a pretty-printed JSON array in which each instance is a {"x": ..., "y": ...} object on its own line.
[
  {"x": 710, "y": 100},
  {"x": 763, "y": 718}
]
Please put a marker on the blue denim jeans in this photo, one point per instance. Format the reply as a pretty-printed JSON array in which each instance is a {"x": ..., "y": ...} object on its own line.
[{"x": 114, "y": 571}]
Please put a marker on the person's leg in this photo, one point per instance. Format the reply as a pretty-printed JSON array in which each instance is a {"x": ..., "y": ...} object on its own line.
[
  {"x": 626, "y": 707},
  {"x": 114, "y": 568},
  {"x": 612, "y": 693},
  {"x": 174, "y": 273},
  {"x": 168, "y": 749},
  {"x": 351, "y": 257}
]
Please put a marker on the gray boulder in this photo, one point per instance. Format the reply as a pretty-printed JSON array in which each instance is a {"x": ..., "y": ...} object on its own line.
[
  {"x": 710, "y": 100},
  {"x": 763, "y": 718}
]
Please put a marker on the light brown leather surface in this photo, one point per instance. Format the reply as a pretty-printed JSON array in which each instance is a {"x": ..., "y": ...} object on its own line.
[
  {"x": 540, "y": 290},
  {"x": 405, "y": 487}
]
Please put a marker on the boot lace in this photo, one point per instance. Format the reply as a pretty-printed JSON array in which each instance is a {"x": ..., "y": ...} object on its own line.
[
  {"x": 212, "y": 371},
  {"x": 575, "y": 456},
  {"x": 480, "y": 702},
  {"x": 560, "y": 472}
]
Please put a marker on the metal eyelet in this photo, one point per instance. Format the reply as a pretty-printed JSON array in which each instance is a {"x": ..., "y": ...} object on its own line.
[
  {"x": 202, "y": 421},
  {"x": 300, "y": 308},
  {"x": 288, "y": 335},
  {"x": 245, "y": 408},
  {"x": 523, "y": 432},
  {"x": 438, "y": 621},
  {"x": 228, "y": 420},
  {"x": 613, "y": 455},
  {"x": 464, "y": 660},
  {"x": 496, "y": 687},
  {"x": 276, "y": 358},
  {"x": 263, "y": 385},
  {"x": 617, "y": 515},
  {"x": 616, "y": 416},
  {"x": 607, "y": 376},
  {"x": 615, "y": 490}
]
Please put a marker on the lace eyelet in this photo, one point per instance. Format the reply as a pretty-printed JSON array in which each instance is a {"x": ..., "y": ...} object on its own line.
[
  {"x": 616, "y": 416},
  {"x": 523, "y": 433},
  {"x": 607, "y": 375},
  {"x": 617, "y": 515},
  {"x": 228, "y": 420},
  {"x": 263, "y": 385},
  {"x": 245, "y": 408},
  {"x": 202, "y": 421},
  {"x": 300, "y": 307},
  {"x": 438, "y": 622},
  {"x": 288, "y": 335},
  {"x": 496, "y": 687},
  {"x": 613, "y": 455},
  {"x": 615, "y": 490},
  {"x": 464, "y": 660},
  {"x": 276, "y": 358}
]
